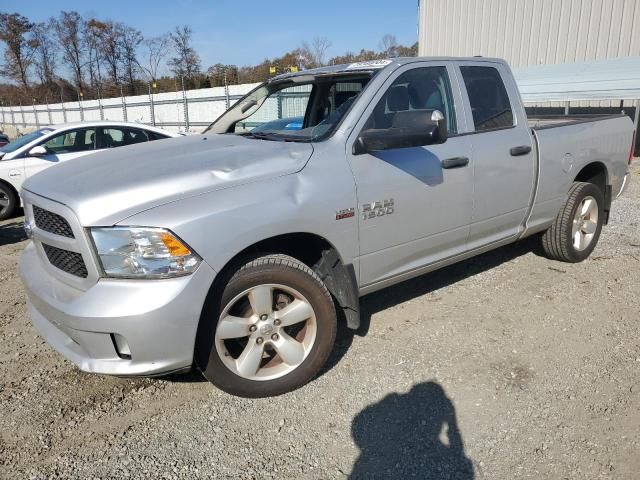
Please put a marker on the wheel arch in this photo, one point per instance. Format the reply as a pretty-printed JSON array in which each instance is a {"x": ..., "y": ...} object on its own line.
[
  {"x": 598, "y": 174},
  {"x": 316, "y": 252},
  {"x": 14, "y": 190}
]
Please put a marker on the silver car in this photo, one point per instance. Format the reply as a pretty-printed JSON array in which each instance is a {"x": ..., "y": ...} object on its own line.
[{"x": 238, "y": 251}]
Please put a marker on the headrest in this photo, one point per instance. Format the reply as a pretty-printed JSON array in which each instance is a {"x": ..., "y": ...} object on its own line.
[{"x": 398, "y": 98}]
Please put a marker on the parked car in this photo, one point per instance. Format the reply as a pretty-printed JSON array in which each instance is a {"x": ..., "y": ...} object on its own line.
[
  {"x": 238, "y": 251},
  {"x": 4, "y": 139},
  {"x": 49, "y": 146}
]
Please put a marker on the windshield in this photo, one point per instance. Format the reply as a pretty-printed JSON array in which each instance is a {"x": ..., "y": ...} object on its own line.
[
  {"x": 308, "y": 110},
  {"x": 23, "y": 140}
]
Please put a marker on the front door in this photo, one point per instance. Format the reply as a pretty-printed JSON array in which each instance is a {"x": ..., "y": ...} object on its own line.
[
  {"x": 412, "y": 211},
  {"x": 60, "y": 148}
]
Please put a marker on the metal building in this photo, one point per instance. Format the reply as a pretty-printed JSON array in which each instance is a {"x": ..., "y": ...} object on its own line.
[{"x": 530, "y": 32}]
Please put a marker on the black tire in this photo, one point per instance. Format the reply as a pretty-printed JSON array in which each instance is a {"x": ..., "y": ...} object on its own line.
[
  {"x": 9, "y": 196},
  {"x": 267, "y": 269},
  {"x": 557, "y": 241}
]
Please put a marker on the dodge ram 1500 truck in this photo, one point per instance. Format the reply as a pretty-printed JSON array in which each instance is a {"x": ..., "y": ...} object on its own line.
[{"x": 237, "y": 251}]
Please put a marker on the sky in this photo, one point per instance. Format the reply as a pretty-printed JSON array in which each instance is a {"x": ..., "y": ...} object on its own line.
[{"x": 245, "y": 32}]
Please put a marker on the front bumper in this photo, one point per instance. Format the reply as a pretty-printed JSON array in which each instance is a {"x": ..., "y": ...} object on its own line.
[{"x": 157, "y": 319}]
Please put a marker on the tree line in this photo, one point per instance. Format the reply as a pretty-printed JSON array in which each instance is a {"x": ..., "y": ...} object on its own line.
[{"x": 69, "y": 58}]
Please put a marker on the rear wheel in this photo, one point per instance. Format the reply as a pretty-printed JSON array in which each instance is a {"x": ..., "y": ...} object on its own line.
[
  {"x": 576, "y": 230},
  {"x": 275, "y": 327},
  {"x": 8, "y": 201}
]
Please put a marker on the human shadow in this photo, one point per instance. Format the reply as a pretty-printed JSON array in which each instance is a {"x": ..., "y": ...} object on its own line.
[
  {"x": 12, "y": 233},
  {"x": 414, "y": 435}
]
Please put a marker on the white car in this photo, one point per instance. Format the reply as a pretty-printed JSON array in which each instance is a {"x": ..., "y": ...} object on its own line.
[{"x": 49, "y": 146}]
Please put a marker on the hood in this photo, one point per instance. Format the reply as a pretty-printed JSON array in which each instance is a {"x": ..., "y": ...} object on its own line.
[{"x": 107, "y": 187}]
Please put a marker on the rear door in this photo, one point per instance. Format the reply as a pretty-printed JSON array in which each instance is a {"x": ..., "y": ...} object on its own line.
[
  {"x": 411, "y": 210},
  {"x": 60, "y": 148},
  {"x": 503, "y": 153}
]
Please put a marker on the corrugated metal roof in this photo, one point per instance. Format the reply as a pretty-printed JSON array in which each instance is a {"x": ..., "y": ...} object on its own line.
[{"x": 612, "y": 79}]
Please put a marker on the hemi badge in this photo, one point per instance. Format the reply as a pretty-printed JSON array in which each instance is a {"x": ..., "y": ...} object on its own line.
[{"x": 346, "y": 213}]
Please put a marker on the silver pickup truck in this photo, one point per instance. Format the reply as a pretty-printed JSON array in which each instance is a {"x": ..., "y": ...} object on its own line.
[{"x": 237, "y": 251}]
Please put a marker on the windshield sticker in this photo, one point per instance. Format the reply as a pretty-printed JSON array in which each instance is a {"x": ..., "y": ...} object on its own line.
[{"x": 369, "y": 64}]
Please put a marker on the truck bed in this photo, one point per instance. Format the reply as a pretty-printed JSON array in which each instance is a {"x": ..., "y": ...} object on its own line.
[{"x": 539, "y": 122}]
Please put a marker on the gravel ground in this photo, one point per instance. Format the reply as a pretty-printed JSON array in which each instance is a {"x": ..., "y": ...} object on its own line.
[{"x": 505, "y": 366}]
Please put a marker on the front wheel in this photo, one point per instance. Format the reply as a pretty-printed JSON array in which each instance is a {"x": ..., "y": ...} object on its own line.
[
  {"x": 576, "y": 230},
  {"x": 275, "y": 326}
]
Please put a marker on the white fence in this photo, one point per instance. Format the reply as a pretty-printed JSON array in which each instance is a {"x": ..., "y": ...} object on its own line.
[{"x": 183, "y": 111}]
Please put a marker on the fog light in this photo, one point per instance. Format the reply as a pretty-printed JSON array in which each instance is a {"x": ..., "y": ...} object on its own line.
[
  {"x": 121, "y": 346},
  {"x": 28, "y": 229}
]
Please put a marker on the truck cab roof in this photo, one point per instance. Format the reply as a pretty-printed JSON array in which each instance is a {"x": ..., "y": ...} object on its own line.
[{"x": 375, "y": 65}]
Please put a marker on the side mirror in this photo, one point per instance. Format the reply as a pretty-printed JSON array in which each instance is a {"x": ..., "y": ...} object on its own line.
[
  {"x": 411, "y": 128},
  {"x": 38, "y": 151}
]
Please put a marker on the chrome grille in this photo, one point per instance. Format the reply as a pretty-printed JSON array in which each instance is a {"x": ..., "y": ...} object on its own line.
[
  {"x": 51, "y": 222},
  {"x": 70, "y": 262}
]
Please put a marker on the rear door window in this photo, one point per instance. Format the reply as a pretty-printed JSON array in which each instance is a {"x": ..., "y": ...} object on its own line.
[
  {"x": 155, "y": 135},
  {"x": 134, "y": 135},
  {"x": 113, "y": 137},
  {"x": 488, "y": 97}
]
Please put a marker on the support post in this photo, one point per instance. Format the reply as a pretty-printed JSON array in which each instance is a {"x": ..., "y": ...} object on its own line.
[
  {"x": 124, "y": 105},
  {"x": 24, "y": 122},
  {"x": 279, "y": 97},
  {"x": 152, "y": 110},
  {"x": 35, "y": 114},
  {"x": 81, "y": 109},
  {"x": 48, "y": 111},
  {"x": 226, "y": 91},
  {"x": 100, "y": 104},
  {"x": 567, "y": 106},
  {"x": 186, "y": 106},
  {"x": 64, "y": 111}
]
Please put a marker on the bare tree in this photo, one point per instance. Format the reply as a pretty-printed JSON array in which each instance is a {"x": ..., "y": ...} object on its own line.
[
  {"x": 389, "y": 45},
  {"x": 130, "y": 40},
  {"x": 93, "y": 32},
  {"x": 155, "y": 50},
  {"x": 44, "y": 59},
  {"x": 186, "y": 62},
  {"x": 69, "y": 27},
  {"x": 20, "y": 48},
  {"x": 316, "y": 52},
  {"x": 111, "y": 49}
]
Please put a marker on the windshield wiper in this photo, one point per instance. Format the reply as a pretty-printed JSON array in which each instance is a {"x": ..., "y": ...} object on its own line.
[{"x": 274, "y": 136}]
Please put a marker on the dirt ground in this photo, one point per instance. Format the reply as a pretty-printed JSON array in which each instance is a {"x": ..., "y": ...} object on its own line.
[{"x": 504, "y": 366}]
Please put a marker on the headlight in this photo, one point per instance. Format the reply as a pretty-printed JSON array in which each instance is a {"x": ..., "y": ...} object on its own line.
[{"x": 132, "y": 252}]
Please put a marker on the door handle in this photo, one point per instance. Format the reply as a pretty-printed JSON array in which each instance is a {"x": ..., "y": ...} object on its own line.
[
  {"x": 455, "y": 162},
  {"x": 521, "y": 150}
]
